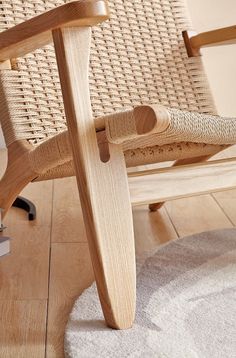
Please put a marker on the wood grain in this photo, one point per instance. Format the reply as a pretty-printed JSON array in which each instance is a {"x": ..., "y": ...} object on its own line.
[
  {"x": 103, "y": 187},
  {"x": 24, "y": 274},
  {"x": 22, "y": 328},
  {"x": 156, "y": 206},
  {"x": 151, "y": 229},
  {"x": 17, "y": 175},
  {"x": 197, "y": 214},
  {"x": 66, "y": 210},
  {"x": 71, "y": 273},
  {"x": 171, "y": 183},
  {"x": 35, "y": 33},
  {"x": 194, "y": 42},
  {"x": 71, "y": 269},
  {"x": 227, "y": 201}
]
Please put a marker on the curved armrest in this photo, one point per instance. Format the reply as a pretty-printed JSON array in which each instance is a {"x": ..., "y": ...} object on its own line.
[
  {"x": 37, "y": 32},
  {"x": 194, "y": 42},
  {"x": 168, "y": 125}
]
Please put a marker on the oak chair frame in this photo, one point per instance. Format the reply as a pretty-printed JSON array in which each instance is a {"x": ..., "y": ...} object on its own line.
[{"x": 100, "y": 166}]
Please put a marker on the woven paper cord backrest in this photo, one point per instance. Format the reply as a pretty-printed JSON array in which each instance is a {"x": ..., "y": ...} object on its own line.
[{"x": 137, "y": 57}]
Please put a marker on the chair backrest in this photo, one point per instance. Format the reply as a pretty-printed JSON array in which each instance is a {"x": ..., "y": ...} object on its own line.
[{"x": 137, "y": 57}]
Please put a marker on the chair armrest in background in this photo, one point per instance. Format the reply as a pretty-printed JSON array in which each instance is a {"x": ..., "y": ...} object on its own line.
[
  {"x": 194, "y": 42},
  {"x": 37, "y": 32}
]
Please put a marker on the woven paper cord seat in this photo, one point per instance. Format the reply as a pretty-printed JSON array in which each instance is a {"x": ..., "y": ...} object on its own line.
[
  {"x": 201, "y": 130},
  {"x": 129, "y": 67}
]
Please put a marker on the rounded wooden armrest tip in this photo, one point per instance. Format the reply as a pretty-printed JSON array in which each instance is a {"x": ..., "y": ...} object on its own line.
[
  {"x": 99, "y": 10},
  {"x": 151, "y": 119},
  {"x": 143, "y": 120}
]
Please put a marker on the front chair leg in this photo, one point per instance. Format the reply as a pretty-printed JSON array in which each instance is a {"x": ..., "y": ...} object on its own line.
[{"x": 103, "y": 187}]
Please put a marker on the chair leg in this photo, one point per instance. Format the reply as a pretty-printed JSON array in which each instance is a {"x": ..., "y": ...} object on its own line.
[
  {"x": 103, "y": 187},
  {"x": 156, "y": 206},
  {"x": 17, "y": 175},
  {"x": 108, "y": 218}
]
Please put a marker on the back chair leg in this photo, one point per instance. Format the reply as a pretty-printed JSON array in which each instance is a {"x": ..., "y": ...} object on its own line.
[
  {"x": 103, "y": 186},
  {"x": 156, "y": 206}
]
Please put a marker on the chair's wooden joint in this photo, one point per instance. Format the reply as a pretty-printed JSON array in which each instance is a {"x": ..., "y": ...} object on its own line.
[
  {"x": 191, "y": 51},
  {"x": 37, "y": 32},
  {"x": 194, "y": 42},
  {"x": 143, "y": 120}
]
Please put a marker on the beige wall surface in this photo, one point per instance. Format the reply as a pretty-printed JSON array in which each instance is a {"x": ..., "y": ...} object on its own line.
[{"x": 220, "y": 62}]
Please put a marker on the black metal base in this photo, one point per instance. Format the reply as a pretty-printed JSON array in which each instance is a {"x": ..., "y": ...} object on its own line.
[{"x": 26, "y": 205}]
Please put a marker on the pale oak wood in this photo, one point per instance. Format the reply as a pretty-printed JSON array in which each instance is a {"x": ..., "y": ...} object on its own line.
[
  {"x": 196, "y": 214},
  {"x": 194, "y": 42},
  {"x": 227, "y": 201},
  {"x": 103, "y": 187},
  {"x": 171, "y": 183},
  {"x": 24, "y": 273},
  {"x": 151, "y": 229},
  {"x": 22, "y": 328},
  {"x": 18, "y": 174},
  {"x": 25, "y": 162},
  {"x": 71, "y": 270},
  {"x": 157, "y": 206},
  {"x": 67, "y": 209},
  {"x": 71, "y": 273},
  {"x": 35, "y": 33},
  {"x": 5, "y": 65}
]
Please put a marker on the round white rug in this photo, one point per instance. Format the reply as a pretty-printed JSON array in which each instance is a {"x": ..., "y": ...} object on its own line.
[{"x": 186, "y": 305}]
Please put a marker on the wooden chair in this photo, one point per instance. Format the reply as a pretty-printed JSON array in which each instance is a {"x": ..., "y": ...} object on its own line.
[{"x": 131, "y": 96}]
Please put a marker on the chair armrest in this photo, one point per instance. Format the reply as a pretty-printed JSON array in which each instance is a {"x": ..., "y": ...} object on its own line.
[
  {"x": 37, "y": 32},
  {"x": 194, "y": 42}
]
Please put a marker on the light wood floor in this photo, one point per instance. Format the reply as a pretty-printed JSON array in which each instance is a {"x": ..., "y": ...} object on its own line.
[{"x": 50, "y": 266}]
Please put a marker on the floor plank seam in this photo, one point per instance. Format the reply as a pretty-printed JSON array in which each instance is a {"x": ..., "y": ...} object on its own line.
[
  {"x": 49, "y": 273},
  {"x": 171, "y": 221},
  {"x": 222, "y": 209}
]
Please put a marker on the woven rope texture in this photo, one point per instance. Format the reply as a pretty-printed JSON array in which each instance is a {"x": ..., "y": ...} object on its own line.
[{"x": 137, "y": 57}]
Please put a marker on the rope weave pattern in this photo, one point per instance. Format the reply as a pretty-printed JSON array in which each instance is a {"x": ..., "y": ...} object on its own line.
[
  {"x": 143, "y": 156},
  {"x": 138, "y": 57},
  {"x": 191, "y": 127},
  {"x": 199, "y": 128}
]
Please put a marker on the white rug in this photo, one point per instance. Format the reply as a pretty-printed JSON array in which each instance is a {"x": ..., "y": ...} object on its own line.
[{"x": 186, "y": 305}]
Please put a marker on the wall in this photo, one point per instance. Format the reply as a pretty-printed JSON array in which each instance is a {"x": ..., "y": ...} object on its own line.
[{"x": 220, "y": 62}]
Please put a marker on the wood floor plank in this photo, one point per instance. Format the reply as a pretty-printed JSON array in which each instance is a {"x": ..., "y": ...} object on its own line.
[
  {"x": 24, "y": 273},
  {"x": 227, "y": 201},
  {"x": 22, "y": 329},
  {"x": 196, "y": 214},
  {"x": 151, "y": 229},
  {"x": 67, "y": 220},
  {"x": 71, "y": 273},
  {"x": 40, "y": 193}
]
